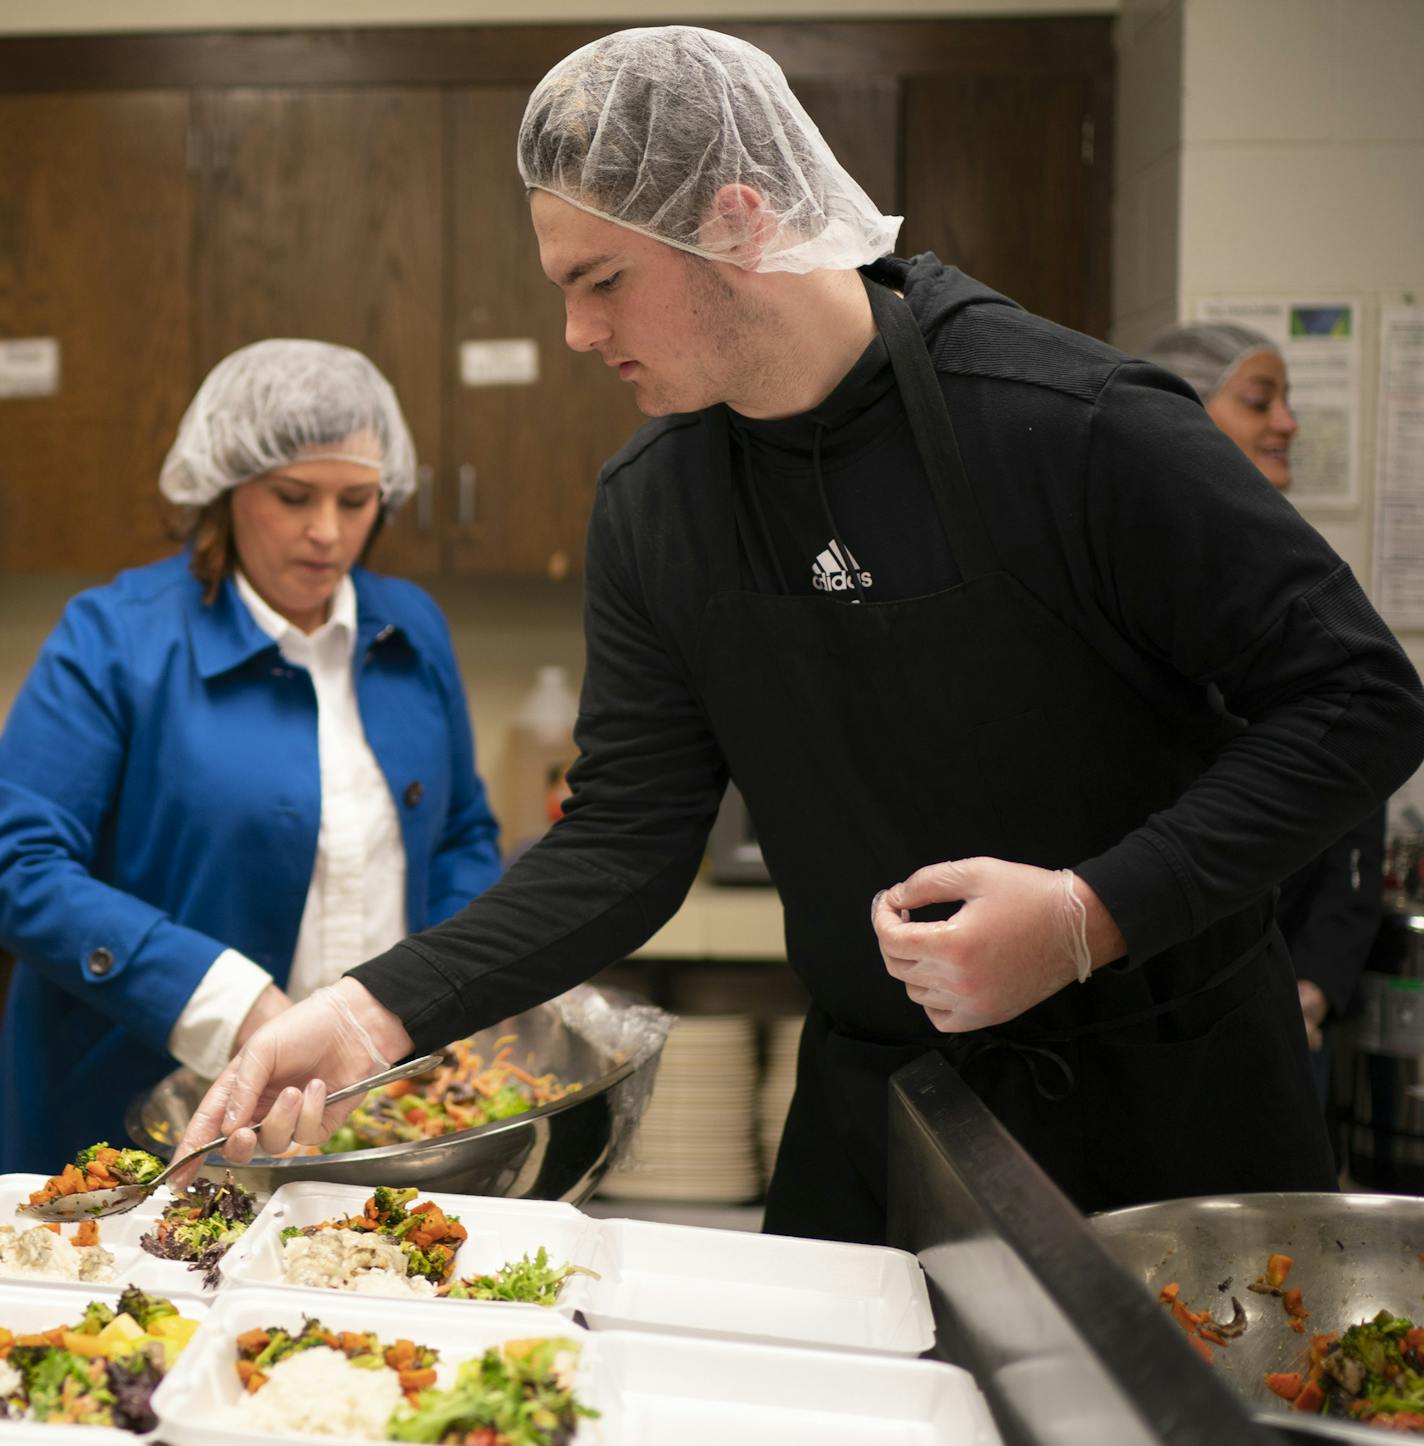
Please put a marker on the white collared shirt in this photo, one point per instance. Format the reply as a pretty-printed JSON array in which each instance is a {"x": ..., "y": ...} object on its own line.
[{"x": 355, "y": 904}]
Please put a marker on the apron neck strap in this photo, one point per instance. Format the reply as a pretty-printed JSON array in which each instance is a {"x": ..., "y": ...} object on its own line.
[{"x": 933, "y": 431}]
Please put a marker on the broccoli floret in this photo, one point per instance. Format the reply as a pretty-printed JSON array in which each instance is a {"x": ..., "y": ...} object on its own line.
[
  {"x": 96, "y": 1316},
  {"x": 506, "y": 1101},
  {"x": 392, "y": 1203},
  {"x": 85, "y": 1157},
  {"x": 342, "y": 1141},
  {"x": 291, "y": 1232},
  {"x": 136, "y": 1167},
  {"x": 144, "y": 1308}
]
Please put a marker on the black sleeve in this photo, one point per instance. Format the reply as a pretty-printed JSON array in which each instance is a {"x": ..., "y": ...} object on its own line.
[
  {"x": 1330, "y": 911},
  {"x": 615, "y": 868},
  {"x": 1204, "y": 567}
]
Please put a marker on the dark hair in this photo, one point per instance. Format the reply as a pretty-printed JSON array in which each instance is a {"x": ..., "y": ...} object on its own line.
[{"x": 208, "y": 530}]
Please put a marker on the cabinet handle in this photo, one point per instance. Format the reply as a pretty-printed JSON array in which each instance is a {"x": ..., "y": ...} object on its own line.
[
  {"x": 424, "y": 497},
  {"x": 465, "y": 500}
]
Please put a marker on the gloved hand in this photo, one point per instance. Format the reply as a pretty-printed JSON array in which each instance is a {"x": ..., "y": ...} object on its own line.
[
  {"x": 1314, "y": 1006},
  {"x": 1022, "y": 935},
  {"x": 336, "y": 1036}
]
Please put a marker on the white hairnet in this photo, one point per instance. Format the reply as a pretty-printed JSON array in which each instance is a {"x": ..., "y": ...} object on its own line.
[
  {"x": 644, "y": 127},
  {"x": 279, "y": 401},
  {"x": 1205, "y": 353}
]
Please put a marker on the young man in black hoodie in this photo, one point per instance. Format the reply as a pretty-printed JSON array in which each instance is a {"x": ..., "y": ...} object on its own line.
[{"x": 945, "y": 588}]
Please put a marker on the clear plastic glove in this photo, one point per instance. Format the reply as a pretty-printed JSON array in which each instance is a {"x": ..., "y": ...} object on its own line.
[
  {"x": 283, "y": 1073},
  {"x": 1314, "y": 1006},
  {"x": 1022, "y": 935}
]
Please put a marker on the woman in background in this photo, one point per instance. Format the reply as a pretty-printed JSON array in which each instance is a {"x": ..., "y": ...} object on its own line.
[
  {"x": 235, "y": 773},
  {"x": 1329, "y": 911}
]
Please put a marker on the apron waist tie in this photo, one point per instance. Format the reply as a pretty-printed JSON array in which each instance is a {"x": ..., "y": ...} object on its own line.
[{"x": 1041, "y": 1063}]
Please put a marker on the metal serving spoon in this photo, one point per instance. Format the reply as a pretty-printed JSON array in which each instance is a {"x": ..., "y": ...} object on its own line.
[{"x": 93, "y": 1204}]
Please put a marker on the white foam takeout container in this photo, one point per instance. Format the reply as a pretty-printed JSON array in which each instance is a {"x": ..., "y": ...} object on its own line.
[
  {"x": 649, "y": 1389},
  {"x": 29, "y": 1309},
  {"x": 500, "y": 1231},
  {"x": 775, "y": 1289},
  {"x": 118, "y": 1234},
  {"x": 196, "y": 1401}
]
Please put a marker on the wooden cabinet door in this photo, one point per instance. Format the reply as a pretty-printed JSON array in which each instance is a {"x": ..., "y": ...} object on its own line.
[
  {"x": 525, "y": 457},
  {"x": 1005, "y": 177},
  {"x": 322, "y": 215},
  {"x": 95, "y": 224}
]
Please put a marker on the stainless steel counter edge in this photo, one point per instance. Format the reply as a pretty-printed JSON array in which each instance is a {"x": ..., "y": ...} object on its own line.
[{"x": 1068, "y": 1349}]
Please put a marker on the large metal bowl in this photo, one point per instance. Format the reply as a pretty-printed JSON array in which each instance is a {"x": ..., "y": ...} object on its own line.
[
  {"x": 1353, "y": 1255},
  {"x": 559, "y": 1151}
]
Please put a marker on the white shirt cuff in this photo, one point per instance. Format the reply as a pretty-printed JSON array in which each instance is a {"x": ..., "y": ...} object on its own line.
[{"x": 202, "y": 1036}]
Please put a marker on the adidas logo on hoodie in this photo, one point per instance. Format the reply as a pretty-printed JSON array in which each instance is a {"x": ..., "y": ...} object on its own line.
[{"x": 832, "y": 569}]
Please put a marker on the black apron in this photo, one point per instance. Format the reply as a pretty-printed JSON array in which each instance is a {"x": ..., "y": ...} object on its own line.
[{"x": 870, "y": 739}]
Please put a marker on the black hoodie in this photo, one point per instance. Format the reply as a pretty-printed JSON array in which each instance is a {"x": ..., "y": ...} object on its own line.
[{"x": 1107, "y": 492}]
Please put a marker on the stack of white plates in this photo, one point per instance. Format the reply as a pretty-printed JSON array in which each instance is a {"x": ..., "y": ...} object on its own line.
[
  {"x": 777, "y": 1086},
  {"x": 697, "y": 1140}
]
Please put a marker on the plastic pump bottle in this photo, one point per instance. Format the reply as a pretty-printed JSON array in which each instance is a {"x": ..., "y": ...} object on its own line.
[{"x": 541, "y": 751}]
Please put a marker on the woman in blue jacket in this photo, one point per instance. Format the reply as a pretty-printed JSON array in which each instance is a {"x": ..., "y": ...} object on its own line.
[{"x": 235, "y": 773}]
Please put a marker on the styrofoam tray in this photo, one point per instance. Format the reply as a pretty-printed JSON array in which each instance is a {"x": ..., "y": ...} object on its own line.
[
  {"x": 196, "y": 1401},
  {"x": 653, "y": 1389},
  {"x": 737, "y": 1285},
  {"x": 38, "y": 1307},
  {"x": 500, "y": 1231},
  {"x": 648, "y": 1389},
  {"x": 118, "y": 1234}
]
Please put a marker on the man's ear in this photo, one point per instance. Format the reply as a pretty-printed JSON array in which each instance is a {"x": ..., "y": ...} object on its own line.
[{"x": 738, "y": 226}]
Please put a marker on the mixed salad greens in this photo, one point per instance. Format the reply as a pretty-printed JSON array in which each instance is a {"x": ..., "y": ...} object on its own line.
[
  {"x": 100, "y": 1371},
  {"x": 99, "y": 1167},
  {"x": 461, "y": 1093},
  {"x": 200, "y": 1225},
  {"x": 517, "y": 1394},
  {"x": 534, "y": 1281}
]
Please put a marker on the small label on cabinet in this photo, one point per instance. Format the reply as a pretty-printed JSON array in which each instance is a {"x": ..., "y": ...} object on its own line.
[
  {"x": 29, "y": 367},
  {"x": 509, "y": 363}
]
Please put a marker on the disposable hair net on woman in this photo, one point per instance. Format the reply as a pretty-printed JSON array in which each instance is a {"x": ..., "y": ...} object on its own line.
[
  {"x": 1206, "y": 353},
  {"x": 644, "y": 127},
  {"x": 286, "y": 400}
]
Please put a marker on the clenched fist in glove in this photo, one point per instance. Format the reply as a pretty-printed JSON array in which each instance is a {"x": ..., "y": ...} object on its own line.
[
  {"x": 282, "y": 1075},
  {"x": 1021, "y": 936}
]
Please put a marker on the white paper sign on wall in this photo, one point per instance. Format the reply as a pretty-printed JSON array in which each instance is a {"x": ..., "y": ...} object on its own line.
[
  {"x": 509, "y": 363},
  {"x": 29, "y": 367}
]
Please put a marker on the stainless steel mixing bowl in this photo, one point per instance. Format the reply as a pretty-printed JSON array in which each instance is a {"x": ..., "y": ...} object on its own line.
[
  {"x": 1353, "y": 1255},
  {"x": 559, "y": 1151}
]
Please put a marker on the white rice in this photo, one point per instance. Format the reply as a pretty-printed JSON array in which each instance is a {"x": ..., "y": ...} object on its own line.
[
  {"x": 40, "y": 1252},
  {"x": 318, "y": 1392},
  {"x": 353, "y": 1260}
]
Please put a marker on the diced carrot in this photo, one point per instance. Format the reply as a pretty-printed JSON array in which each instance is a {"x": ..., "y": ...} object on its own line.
[
  {"x": 1184, "y": 1318},
  {"x": 1286, "y": 1384},
  {"x": 1296, "y": 1324},
  {"x": 400, "y": 1355},
  {"x": 1320, "y": 1344},
  {"x": 1294, "y": 1304},
  {"x": 1277, "y": 1268},
  {"x": 1311, "y": 1398},
  {"x": 1201, "y": 1348},
  {"x": 256, "y": 1341},
  {"x": 400, "y": 1088},
  {"x": 418, "y": 1380},
  {"x": 88, "y": 1233},
  {"x": 51, "y": 1225}
]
